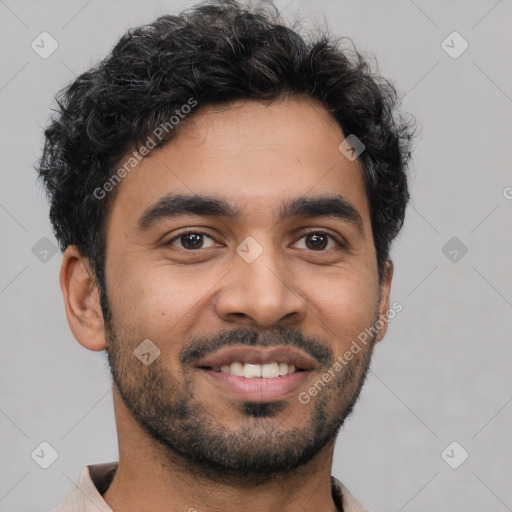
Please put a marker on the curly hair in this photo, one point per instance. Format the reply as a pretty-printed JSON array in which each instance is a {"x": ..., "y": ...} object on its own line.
[{"x": 215, "y": 52}]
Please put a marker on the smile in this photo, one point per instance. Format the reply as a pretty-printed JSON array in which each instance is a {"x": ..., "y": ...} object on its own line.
[{"x": 264, "y": 371}]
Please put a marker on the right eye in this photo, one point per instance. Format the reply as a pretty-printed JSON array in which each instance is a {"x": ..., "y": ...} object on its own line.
[{"x": 190, "y": 240}]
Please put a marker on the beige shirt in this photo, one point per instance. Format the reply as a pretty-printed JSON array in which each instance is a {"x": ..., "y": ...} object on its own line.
[{"x": 95, "y": 480}]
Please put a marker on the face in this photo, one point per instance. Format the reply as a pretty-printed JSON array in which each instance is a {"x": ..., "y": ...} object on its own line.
[{"x": 270, "y": 266}]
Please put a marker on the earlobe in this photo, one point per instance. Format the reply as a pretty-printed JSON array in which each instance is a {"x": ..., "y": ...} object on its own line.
[
  {"x": 81, "y": 300},
  {"x": 385, "y": 291}
]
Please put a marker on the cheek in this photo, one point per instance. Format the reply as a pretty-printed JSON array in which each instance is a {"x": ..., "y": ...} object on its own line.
[
  {"x": 347, "y": 306},
  {"x": 158, "y": 302}
]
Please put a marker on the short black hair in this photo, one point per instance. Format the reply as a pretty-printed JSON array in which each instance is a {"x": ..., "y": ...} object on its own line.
[{"x": 213, "y": 53}]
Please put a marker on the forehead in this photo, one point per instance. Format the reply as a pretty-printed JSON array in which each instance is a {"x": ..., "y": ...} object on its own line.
[{"x": 252, "y": 153}]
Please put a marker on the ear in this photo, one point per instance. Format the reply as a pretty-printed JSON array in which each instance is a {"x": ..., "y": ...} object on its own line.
[
  {"x": 81, "y": 300},
  {"x": 384, "y": 290}
]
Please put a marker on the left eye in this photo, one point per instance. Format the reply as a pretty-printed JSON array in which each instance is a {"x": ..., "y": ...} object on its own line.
[{"x": 319, "y": 240}]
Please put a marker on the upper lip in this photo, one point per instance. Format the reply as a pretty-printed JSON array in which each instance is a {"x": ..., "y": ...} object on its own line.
[{"x": 254, "y": 355}]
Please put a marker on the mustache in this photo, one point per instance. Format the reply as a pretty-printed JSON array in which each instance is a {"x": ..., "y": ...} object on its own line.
[{"x": 203, "y": 346}]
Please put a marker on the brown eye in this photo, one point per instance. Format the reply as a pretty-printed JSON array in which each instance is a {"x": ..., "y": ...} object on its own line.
[
  {"x": 316, "y": 241},
  {"x": 191, "y": 240},
  {"x": 319, "y": 241}
]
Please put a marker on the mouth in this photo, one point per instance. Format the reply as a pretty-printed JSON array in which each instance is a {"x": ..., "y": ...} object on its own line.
[
  {"x": 257, "y": 374},
  {"x": 250, "y": 371}
]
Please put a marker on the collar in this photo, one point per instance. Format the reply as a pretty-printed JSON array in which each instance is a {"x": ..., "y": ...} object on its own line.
[{"x": 95, "y": 479}]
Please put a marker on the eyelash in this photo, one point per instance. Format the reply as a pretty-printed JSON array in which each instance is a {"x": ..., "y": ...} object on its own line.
[{"x": 339, "y": 243}]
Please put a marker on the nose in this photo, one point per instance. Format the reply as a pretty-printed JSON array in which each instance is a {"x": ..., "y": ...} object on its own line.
[{"x": 262, "y": 293}]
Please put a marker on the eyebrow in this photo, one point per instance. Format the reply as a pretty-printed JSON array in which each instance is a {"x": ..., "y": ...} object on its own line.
[{"x": 171, "y": 206}]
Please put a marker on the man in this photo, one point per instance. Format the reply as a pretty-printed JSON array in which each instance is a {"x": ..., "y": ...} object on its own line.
[{"x": 226, "y": 195}]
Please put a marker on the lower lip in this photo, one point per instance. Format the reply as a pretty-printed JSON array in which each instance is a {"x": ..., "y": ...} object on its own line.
[{"x": 257, "y": 389}]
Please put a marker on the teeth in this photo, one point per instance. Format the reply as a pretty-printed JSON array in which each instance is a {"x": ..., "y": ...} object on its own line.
[
  {"x": 270, "y": 371},
  {"x": 236, "y": 369},
  {"x": 252, "y": 370},
  {"x": 265, "y": 371}
]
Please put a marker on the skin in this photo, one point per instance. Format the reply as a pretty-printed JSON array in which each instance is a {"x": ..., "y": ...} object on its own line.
[{"x": 256, "y": 156}]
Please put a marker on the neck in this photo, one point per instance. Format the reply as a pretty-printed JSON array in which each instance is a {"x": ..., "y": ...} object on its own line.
[{"x": 149, "y": 478}]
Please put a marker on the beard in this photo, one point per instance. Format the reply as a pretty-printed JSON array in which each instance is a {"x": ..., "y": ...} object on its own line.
[{"x": 266, "y": 443}]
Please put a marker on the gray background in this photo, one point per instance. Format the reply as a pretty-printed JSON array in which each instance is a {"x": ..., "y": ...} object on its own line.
[{"x": 442, "y": 373}]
